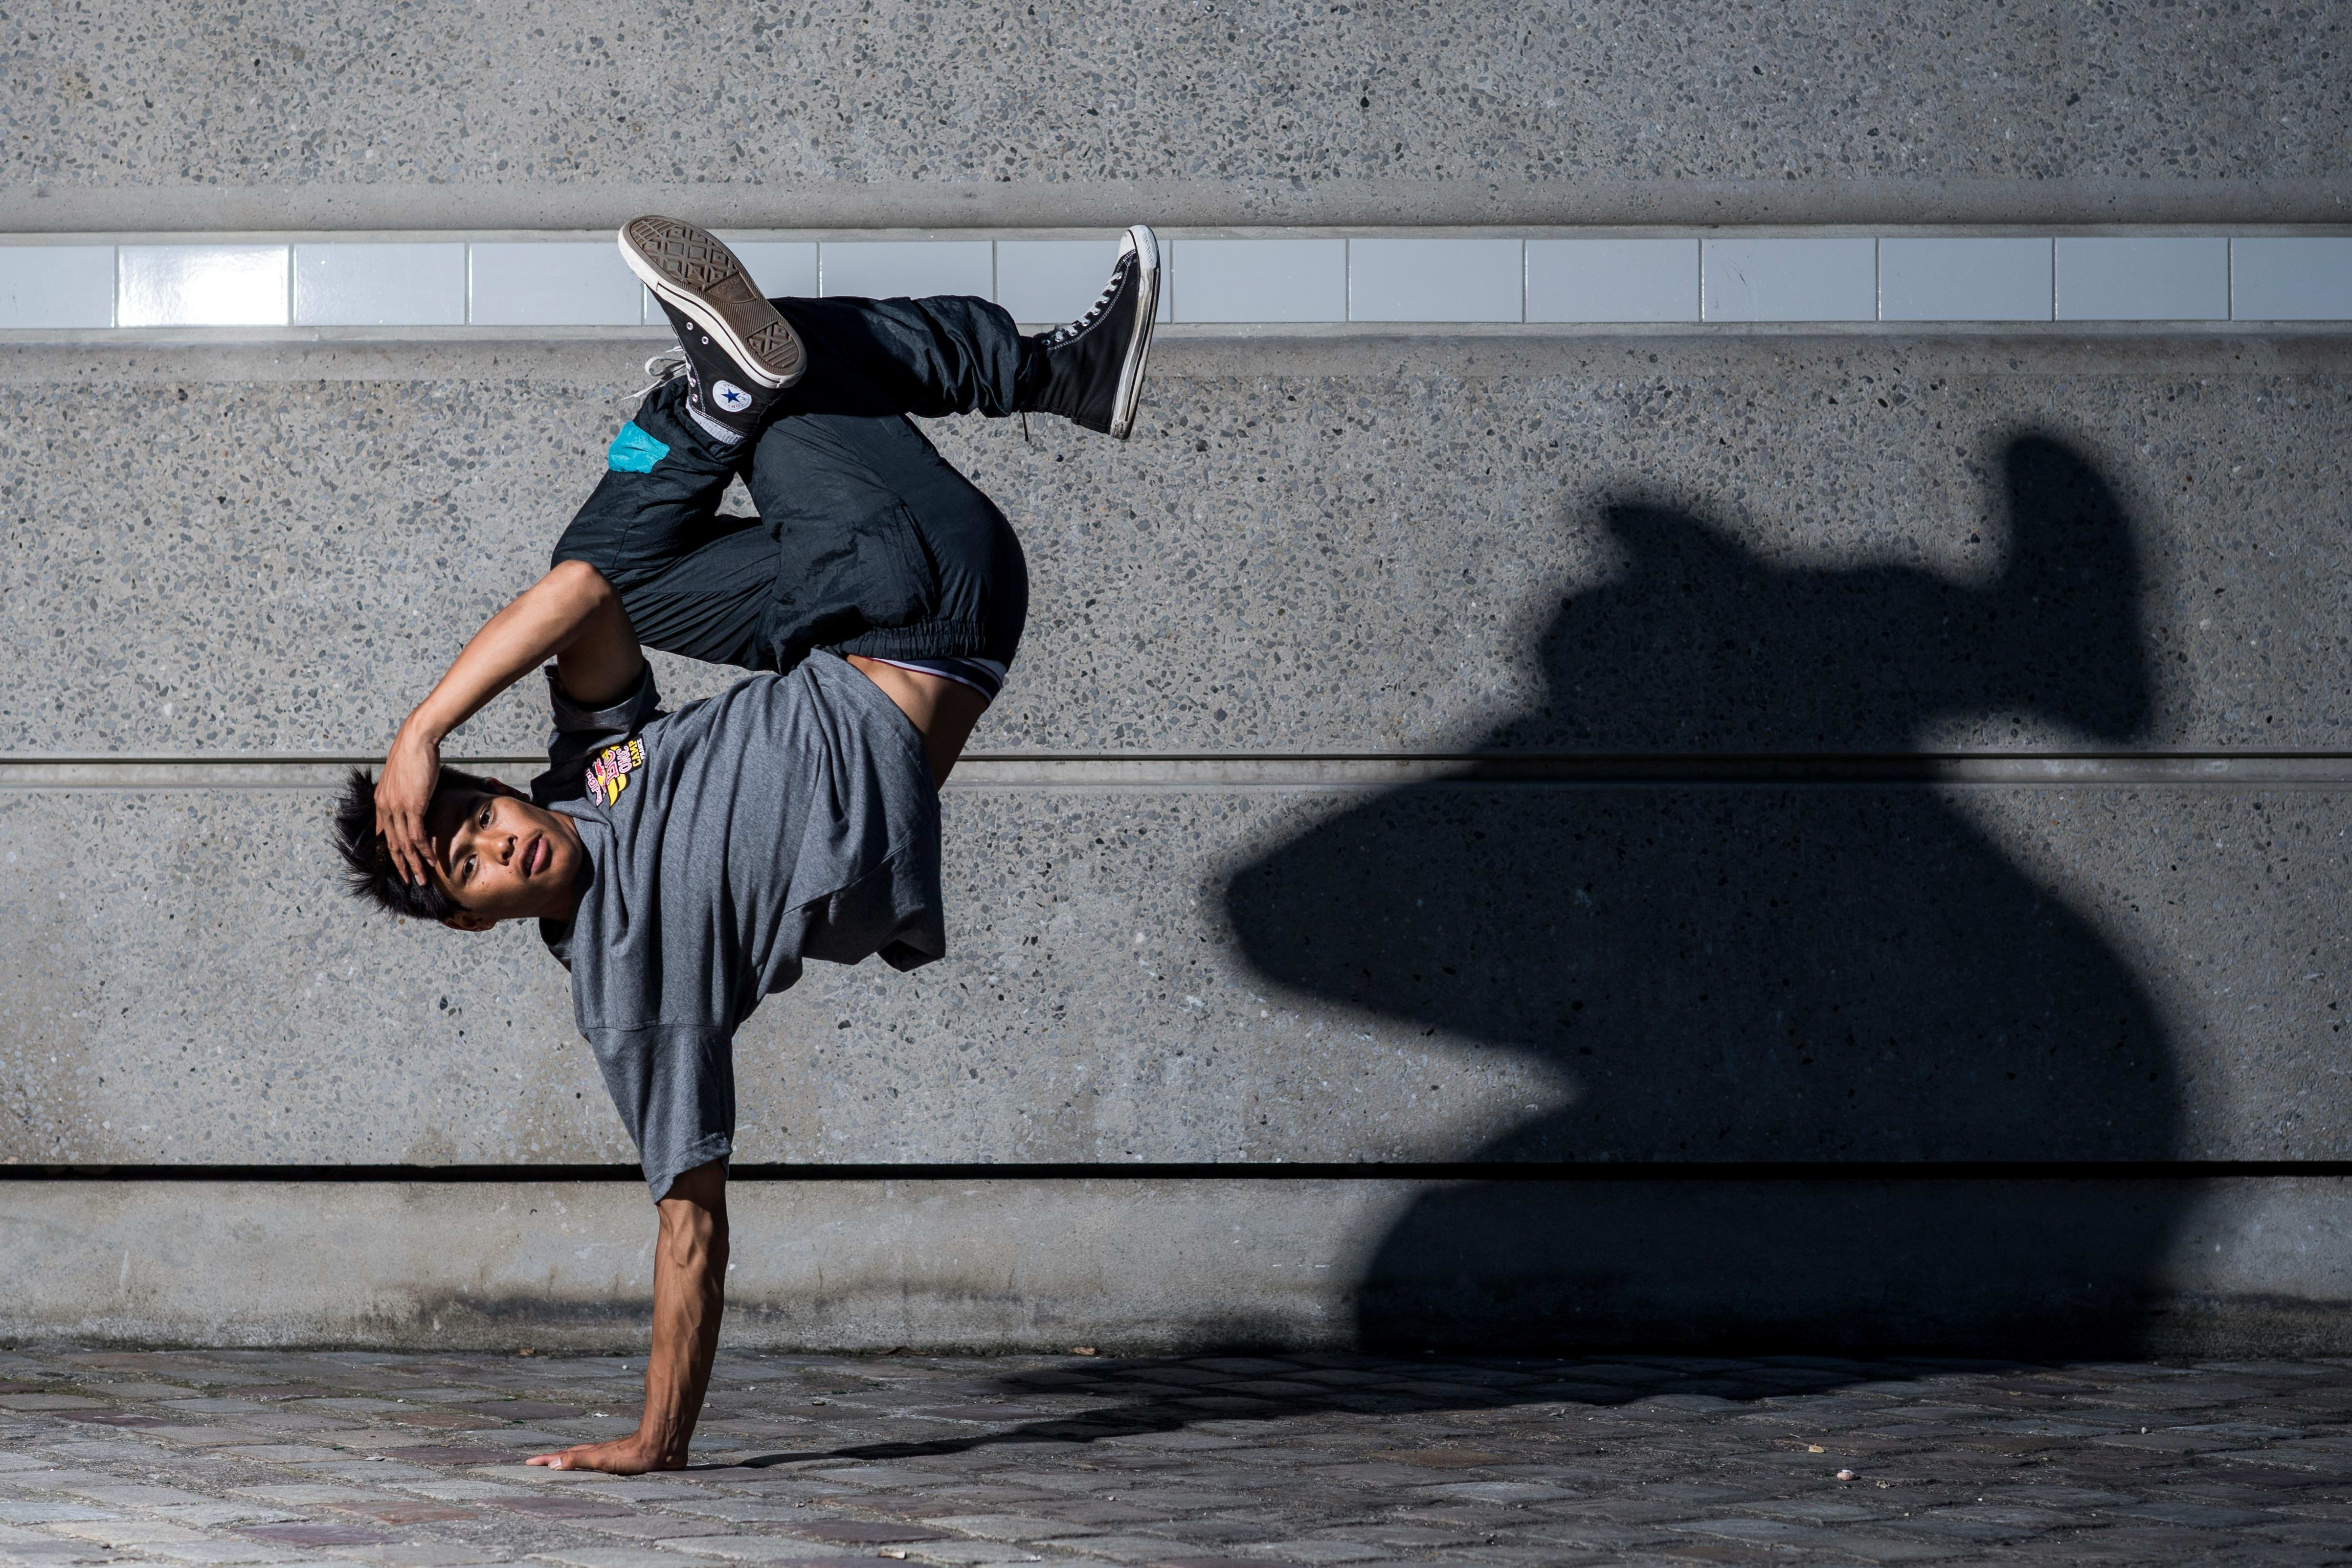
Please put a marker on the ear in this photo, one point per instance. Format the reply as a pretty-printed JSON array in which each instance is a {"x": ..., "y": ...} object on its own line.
[{"x": 467, "y": 919}]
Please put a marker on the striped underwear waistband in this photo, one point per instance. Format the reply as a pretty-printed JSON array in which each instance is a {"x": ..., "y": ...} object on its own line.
[{"x": 985, "y": 676}]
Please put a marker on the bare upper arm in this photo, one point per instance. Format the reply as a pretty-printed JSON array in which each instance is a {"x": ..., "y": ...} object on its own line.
[{"x": 600, "y": 661}]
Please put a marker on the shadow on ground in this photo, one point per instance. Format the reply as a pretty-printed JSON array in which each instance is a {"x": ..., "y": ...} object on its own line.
[
  {"x": 1768, "y": 972},
  {"x": 1172, "y": 1395}
]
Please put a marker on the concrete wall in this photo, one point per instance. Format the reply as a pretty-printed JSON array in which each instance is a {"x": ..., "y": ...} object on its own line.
[
  {"x": 1743, "y": 553},
  {"x": 1897, "y": 747},
  {"x": 447, "y": 114},
  {"x": 2037, "y": 1268}
]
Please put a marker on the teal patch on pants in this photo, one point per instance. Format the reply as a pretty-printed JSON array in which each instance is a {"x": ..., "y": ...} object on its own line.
[{"x": 634, "y": 452}]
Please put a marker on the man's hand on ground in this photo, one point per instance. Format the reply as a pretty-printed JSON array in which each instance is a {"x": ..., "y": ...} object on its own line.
[
  {"x": 403, "y": 796},
  {"x": 630, "y": 1456}
]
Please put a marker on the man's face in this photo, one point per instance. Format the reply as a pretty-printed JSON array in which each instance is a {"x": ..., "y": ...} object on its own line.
[{"x": 501, "y": 858}]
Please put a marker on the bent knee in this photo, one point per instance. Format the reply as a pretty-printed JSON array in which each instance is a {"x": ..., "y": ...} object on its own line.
[{"x": 576, "y": 575}]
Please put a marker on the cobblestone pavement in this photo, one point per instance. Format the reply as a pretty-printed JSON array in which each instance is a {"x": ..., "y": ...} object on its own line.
[{"x": 222, "y": 1457}]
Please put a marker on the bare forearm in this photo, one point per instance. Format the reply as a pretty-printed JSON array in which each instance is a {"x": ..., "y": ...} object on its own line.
[
  {"x": 541, "y": 623},
  {"x": 689, "y": 1291}
]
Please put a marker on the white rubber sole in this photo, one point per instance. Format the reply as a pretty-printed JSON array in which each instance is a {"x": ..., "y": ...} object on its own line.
[
  {"x": 691, "y": 305},
  {"x": 1139, "y": 344}
]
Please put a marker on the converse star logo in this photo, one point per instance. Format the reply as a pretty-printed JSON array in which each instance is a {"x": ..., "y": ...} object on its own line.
[{"x": 731, "y": 397}]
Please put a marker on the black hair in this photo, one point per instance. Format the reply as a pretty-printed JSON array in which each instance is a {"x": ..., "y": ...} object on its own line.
[{"x": 370, "y": 873}]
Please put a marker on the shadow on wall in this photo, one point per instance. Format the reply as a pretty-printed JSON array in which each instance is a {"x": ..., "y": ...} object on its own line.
[{"x": 1766, "y": 972}]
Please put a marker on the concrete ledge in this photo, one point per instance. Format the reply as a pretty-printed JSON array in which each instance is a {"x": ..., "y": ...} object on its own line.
[
  {"x": 2064, "y": 1265},
  {"x": 1342, "y": 202}
]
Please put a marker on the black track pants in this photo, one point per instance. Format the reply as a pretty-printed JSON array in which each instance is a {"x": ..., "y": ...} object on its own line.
[{"x": 867, "y": 541}]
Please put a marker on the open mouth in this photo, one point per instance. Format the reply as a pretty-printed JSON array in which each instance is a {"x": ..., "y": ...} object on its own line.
[{"x": 534, "y": 857}]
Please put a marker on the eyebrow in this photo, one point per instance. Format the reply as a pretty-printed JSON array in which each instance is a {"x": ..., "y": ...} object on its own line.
[{"x": 450, "y": 863}]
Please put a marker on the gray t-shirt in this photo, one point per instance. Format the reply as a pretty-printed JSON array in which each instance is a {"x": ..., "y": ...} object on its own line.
[{"x": 791, "y": 816}]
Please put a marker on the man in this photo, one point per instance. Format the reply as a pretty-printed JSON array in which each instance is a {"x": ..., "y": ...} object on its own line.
[{"x": 683, "y": 864}]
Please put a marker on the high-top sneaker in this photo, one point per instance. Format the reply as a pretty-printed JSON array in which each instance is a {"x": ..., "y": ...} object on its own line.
[
  {"x": 740, "y": 351},
  {"x": 1094, "y": 365}
]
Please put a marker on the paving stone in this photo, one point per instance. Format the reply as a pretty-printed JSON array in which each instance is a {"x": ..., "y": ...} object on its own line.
[
  {"x": 316, "y": 1534},
  {"x": 1009, "y": 1527},
  {"x": 649, "y": 1529},
  {"x": 225, "y": 1550},
  {"x": 1471, "y": 1462},
  {"x": 129, "y": 1533},
  {"x": 757, "y": 1549},
  {"x": 861, "y": 1532}
]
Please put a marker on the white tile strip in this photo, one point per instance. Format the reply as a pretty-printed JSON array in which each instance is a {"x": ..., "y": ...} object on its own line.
[
  {"x": 1436, "y": 280},
  {"x": 57, "y": 286},
  {"x": 552, "y": 283},
  {"x": 1261, "y": 280},
  {"x": 1045, "y": 281},
  {"x": 201, "y": 286},
  {"x": 2291, "y": 280},
  {"x": 1273, "y": 278},
  {"x": 2154, "y": 280},
  {"x": 347, "y": 284},
  {"x": 1964, "y": 279},
  {"x": 907, "y": 268},
  {"x": 1613, "y": 280},
  {"x": 1789, "y": 279}
]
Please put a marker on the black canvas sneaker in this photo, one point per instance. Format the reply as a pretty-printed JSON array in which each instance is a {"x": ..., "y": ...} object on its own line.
[
  {"x": 740, "y": 351},
  {"x": 1094, "y": 365}
]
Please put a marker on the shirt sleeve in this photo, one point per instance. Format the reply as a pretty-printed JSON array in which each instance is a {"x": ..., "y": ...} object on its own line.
[
  {"x": 580, "y": 732},
  {"x": 674, "y": 1084}
]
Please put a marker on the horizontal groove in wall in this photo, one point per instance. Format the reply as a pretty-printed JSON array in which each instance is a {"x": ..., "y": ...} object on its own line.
[
  {"x": 1252, "y": 1171},
  {"x": 1390, "y": 336},
  {"x": 2289, "y": 228},
  {"x": 1358, "y": 771},
  {"x": 577, "y": 358},
  {"x": 1880, "y": 200}
]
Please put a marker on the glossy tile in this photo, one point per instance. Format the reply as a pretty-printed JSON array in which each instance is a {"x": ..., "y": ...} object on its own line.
[
  {"x": 1613, "y": 280},
  {"x": 342, "y": 284},
  {"x": 201, "y": 286}
]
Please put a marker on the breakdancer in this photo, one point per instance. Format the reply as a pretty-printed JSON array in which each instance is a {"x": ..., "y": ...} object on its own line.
[{"x": 684, "y": 865}]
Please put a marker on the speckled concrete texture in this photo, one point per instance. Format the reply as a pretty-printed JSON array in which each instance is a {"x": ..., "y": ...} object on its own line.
[
  {"x": 1590, "y": 544},
  {"x": 2048, "y": 1267},
  {"x": 347, "y": 114},
  {"x": 1437, "y": 972}
]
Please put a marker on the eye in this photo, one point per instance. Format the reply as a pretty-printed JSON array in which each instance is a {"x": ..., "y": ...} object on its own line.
[
  {"x": 484, "y": 818},
  {"x": 466, "y": 873}
]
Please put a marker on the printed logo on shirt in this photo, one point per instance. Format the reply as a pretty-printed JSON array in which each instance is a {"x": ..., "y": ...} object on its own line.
[
  {"x": 731, "y": 397},
  {"x": 608, "y": 775}
]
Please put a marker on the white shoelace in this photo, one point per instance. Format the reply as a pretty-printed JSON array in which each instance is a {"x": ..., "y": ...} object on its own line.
[
  {"x": 663, "y": 368},
  {"x": 1068, "y": 330}
]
